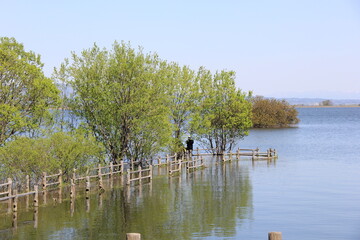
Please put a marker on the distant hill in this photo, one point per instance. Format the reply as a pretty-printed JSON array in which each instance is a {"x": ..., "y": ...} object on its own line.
[{"x": 317, "y": 101}]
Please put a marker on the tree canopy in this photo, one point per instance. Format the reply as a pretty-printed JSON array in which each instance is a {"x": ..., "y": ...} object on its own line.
[
  {"x": 25, "y": 93},
  {"x": 120, "y": 94},
  {"x": 224, "y": 114}
]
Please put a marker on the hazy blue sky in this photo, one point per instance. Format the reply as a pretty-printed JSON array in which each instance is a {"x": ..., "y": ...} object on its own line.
[{"x": 280, "y": 48}]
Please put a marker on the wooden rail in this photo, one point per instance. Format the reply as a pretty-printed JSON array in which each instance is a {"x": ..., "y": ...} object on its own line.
[
  {"x": 175, "y": 167},
  {"x": 208, "y": 151},
  {"x": 98, "y": 171},
  {"x": 195, "y": 163},
  {"x": 7, "y": 192},
  {"x": 16, "y": 195},
  {"x": 45, "y": 178},
  {"x": 131, "y": 175},
  {"x": 167, "y": 159},
  {"x": 253, "y": 153}
]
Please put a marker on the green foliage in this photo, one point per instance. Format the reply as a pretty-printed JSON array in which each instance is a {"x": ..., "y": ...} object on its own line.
[
  {"x": 25, "y": 93},
  {"x": 224, "y": 114},
  {"x": 272, "y": 113},
  {"x": 121, "y": 96},
  {"x": 65, "y": 151},
  {"x": 184, "y": 96}
]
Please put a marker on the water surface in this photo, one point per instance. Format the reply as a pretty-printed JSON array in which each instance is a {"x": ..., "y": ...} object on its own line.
[{"x": 311, "y": 192}]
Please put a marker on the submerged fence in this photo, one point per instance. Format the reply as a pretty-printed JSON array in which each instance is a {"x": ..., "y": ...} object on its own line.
[{"x": 133, "y": 170}]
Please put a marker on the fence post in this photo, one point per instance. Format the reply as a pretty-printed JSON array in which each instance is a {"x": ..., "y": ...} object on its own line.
[
  {"x": 151, "y": 172},
  {"x": 9, "y": 187},
  {"x": 100, "y": 177},
  {"x": 132, "y": 164},
  {"x": 36, "y": 196},
  {"x": 60, "y": 178},
  {"x": 111, "y": 169},
  {"x": 74, "y": 174},
  {"x": 133, "y": 236},
  {"x": 72, "y": 188},
  {"x": 27, "y": 183},
  {"x": 15, "y": 202},
  {"x": 128, "y": 177},
  {"x": 87, "y": 184},
  {"x": 167, "y": 159},
  {"x": 44, "y": 181},
  {"x": 253, "y": 154},
  {"x": 275, "y": 236},
  {"x": 140, "y": 173}
]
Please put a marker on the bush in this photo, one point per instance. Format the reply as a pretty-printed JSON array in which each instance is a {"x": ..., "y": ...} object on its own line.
[
  {"x": 268, "y": 113},
  {"x": 65, "y": 151}
]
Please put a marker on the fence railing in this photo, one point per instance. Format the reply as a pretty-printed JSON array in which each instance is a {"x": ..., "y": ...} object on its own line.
[
  {"x": 139, "y": 175},
  {"x": 195, "y": 163},
  {"x": 175, "y": 166},
  {"x": 203, "y": 151},
  {"x": 49, "y": 180},
  {"x": 7, "y": 191}
]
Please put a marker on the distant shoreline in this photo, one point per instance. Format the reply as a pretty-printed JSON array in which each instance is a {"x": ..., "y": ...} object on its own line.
[{"x": 334, "y": 106}]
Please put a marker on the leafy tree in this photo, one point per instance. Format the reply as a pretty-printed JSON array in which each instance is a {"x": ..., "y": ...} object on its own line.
[
  {"x": 272, "y": 113},
  {"x": 120, "y": 94},
  {"x": 183, "y": 93},
  {"x": 25, "y": 93},
  {"x": 224, "y": 114}
]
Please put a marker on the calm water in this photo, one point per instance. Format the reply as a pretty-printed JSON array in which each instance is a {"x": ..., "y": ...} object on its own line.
[{"x": 311, "y": 192}]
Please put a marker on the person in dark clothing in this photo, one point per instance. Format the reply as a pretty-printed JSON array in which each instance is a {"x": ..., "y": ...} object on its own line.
[{"x": 189, "y": 145}]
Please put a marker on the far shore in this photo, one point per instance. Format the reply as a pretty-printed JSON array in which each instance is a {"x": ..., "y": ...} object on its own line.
[{"x": 334, "y": 106}]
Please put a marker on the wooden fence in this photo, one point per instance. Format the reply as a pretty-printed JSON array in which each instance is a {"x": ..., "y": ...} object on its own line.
[
  {"x": 204, "y": 151},
  {"x": 195, "y": 163},
  {"x": 139, "y": 175},
  {"x": 253, "y": 153},
  {"x": 49, "y": 180},
  {"x": 8, "y": 189},
  {"x": 175, "y": 166}
]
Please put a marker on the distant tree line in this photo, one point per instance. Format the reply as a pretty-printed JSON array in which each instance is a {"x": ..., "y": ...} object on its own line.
[{"x": 123, "y": 104}]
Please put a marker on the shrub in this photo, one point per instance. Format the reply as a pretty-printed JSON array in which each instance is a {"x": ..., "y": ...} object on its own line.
[
  {"x": 65, "y": 151},
  {"x": 268, "y": 113}
]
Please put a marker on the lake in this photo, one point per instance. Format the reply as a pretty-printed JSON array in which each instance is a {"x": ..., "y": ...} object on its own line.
[{"x": 312, "y": 191}]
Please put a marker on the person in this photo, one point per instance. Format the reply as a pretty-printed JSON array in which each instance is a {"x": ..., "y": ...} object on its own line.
[{"x": 189, "y": 145}]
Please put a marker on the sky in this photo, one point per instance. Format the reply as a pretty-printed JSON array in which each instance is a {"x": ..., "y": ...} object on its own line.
[{"x": 278, "y": 48}]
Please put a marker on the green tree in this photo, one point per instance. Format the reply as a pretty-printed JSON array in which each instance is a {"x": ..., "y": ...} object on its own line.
[
  {"x": 272, "y": 113},
  {"x": 224, "y": 115},
  {"x": 120, "y": 94},
  {"x": 183, "y": 93},
  {"x": 25, "y": 93}
]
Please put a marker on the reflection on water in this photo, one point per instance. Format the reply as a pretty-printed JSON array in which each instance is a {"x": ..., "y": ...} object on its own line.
[{"x": 201, "y": 203}]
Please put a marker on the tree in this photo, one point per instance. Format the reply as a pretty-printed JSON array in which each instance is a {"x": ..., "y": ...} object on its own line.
[
  {"x": 326, "y": 103},
  {"x": 120, "y": 94},
  {"x": 224, "y": 115},
  {"x": 183, "y": 93},
  {"x": 272, "y": 113},
  {"x": 25, "y": 93}
]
